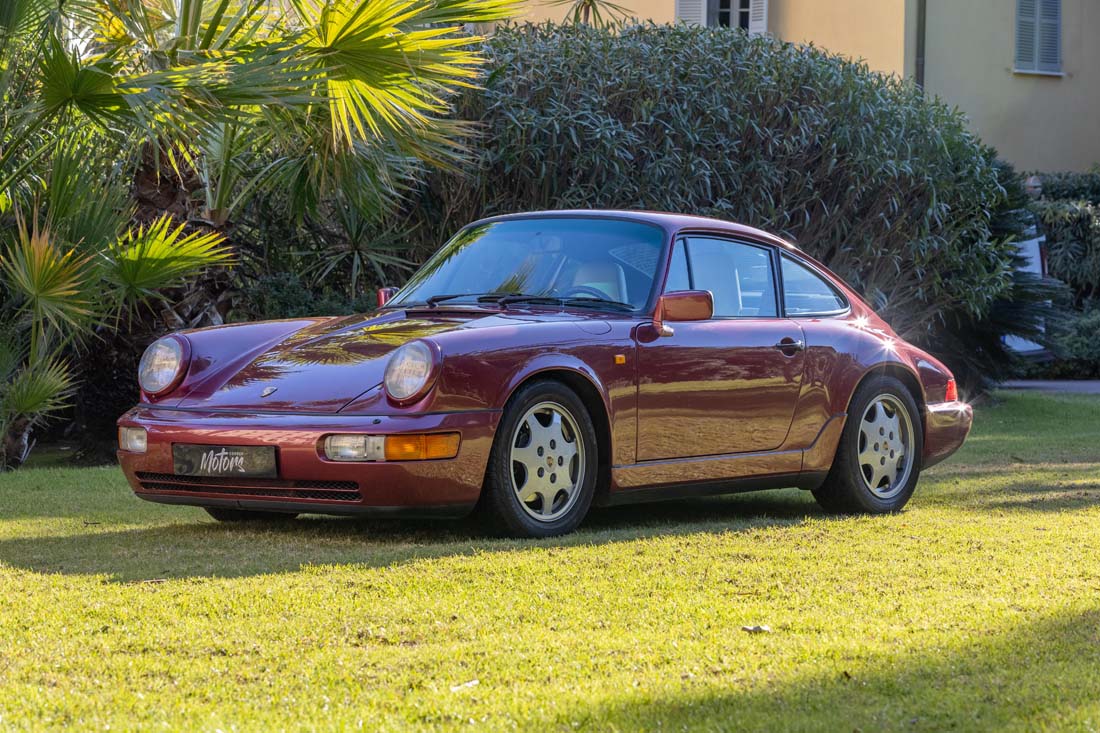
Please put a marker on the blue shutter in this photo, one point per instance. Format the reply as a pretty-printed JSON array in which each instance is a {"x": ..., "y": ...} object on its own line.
[
  {"x": 1050, "y": 35},
  {"x": 1027, "y": 29},
  {"x": 692, "y": 12}
]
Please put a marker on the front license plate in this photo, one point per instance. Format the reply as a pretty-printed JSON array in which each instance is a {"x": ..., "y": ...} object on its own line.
[{"x": 241, "y": 461}]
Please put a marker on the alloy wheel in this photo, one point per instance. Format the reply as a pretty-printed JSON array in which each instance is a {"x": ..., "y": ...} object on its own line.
[
  {"x": 547, "y": 461},
  {"x": 885, "y": 446}
]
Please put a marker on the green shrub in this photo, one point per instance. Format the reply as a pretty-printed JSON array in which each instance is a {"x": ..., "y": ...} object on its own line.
[
  {"x": 1031, "y": 308},
  {"x": 284, "y": 295},
  {"x": 1078, "y": 347},
  {"x": 861, "y": 170},
  {"x": 1075, "y": 186},
  {"x": 1072, "y": 229}
]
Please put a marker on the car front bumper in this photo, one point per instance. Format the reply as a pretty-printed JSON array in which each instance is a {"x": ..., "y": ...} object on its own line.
[
  {"x": 307, "y": 481},
  {"x": 946, "y": 426}
]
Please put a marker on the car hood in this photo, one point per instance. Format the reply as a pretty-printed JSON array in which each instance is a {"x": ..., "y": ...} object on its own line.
[{"x": 319, "y": 365}]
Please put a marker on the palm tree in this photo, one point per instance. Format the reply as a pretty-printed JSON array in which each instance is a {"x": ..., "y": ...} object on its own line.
[{"x": 116, "y": 110}]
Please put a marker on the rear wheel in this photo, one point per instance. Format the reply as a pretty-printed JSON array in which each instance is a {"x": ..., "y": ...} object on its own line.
[
  {"x": 542, "y": 469},
  {"x": 877, "y": 463},
  {"x": 242, "y": 515}
]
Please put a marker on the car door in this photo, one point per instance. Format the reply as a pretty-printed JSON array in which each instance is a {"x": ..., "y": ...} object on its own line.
[{"x": 729, "y": 384}]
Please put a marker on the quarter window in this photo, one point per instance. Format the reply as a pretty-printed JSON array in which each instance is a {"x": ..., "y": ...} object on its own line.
[
  {"x": 806, "y": 293},
  {"x": 738, "y": 275}
]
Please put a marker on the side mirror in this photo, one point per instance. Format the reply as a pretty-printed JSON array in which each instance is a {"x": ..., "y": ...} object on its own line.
[
  {"x": 384, "y": 295},
  {"x": 682, "y": 305}
]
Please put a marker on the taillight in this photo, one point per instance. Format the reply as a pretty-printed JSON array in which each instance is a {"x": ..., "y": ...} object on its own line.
[{"x": 952, "y": 394}]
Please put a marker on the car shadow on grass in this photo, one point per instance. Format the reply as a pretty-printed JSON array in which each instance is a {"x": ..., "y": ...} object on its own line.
[
  {"x": 1050, "y": 488},
  {"x": 204, "y": 549},
  {"x": 1043, "y": 674}
]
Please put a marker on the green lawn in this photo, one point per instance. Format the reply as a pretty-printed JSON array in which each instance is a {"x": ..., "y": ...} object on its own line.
[{"x": 977, "y": 608}]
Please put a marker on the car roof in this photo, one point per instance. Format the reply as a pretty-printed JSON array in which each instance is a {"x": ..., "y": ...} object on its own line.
[{"x": 668, "y": 221}]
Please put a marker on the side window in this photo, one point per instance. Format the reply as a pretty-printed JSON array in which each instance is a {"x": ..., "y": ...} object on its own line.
[
  {"x": 807, "y": 293},
  {"x": 678, "y": 278},
  {"x": 739, "y": 276}
]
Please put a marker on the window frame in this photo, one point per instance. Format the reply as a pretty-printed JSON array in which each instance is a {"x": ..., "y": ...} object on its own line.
[
  {"x": 1035, "y": 68},
  {"x": 836, "y": 313},
  {"x": 773, "y": 259}
]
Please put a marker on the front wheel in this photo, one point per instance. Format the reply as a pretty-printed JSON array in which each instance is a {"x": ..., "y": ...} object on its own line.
[
  {"x": 542, "y": 469},
  {"x": 878, "y": 460}
]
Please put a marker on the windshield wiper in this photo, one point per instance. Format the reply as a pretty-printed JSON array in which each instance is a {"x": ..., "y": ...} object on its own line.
[
  {"x": 599, "y": 302},
  {"x": 581, "y": 300},
  {"x": 524, "y": 298},
  {"x": 435, "y": 300}
]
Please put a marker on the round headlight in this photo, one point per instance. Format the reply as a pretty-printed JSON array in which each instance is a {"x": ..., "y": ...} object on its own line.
[
  {"x": 409, "y": 371},
  {"x": 161, "y": 365}
]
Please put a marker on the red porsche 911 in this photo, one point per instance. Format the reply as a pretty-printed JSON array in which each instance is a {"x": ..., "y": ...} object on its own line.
[{"x": 540, "y": 363}]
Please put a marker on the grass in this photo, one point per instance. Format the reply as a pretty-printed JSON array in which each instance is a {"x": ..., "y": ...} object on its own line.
[{"x": 977, "y": 608}]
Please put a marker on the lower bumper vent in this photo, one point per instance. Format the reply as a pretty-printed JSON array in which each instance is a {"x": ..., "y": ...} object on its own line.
[{"x": 251, "y": 487}]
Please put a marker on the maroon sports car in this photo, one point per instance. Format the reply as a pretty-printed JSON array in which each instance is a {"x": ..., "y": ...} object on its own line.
[{"x": 539, "y": 363}]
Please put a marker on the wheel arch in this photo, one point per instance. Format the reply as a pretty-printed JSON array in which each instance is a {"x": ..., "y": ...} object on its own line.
[
  {"x": 899, "y": 372},
  {"x": 593, "y": 398}
]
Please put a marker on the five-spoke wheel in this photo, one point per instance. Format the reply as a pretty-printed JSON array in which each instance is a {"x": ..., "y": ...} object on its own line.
[
  {"x": 878, "y": 460},
  {"x": 542, "y": 470},
  {"x": 547, "y": 461},
  {"x": 885, "y": 435}
]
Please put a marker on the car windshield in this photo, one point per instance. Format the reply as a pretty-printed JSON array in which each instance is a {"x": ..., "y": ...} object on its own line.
[{"x": 583, "y": 261}]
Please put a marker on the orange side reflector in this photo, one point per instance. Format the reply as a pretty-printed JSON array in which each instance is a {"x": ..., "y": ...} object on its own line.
[
  {"x": 952, "y": 394},
  {"x": 421, "y": 447}
]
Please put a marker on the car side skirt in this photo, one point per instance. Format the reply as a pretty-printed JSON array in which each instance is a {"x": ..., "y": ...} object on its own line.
[{"x": 797, "y": 480}]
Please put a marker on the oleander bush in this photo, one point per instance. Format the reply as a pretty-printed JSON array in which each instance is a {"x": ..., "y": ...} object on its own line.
[{"x": 864, "y": 171}]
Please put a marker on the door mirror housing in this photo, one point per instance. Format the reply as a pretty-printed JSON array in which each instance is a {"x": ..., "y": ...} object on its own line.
[
  {"x": 384, "y": 295},
  {"x": 682, "y": 305}
]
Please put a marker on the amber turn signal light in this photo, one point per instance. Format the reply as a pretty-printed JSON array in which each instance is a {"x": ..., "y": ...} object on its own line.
[
  {"x": 952, "y": 394},
  {"x": 421, "y": 447}
]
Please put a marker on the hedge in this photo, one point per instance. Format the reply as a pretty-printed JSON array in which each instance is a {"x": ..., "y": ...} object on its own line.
[
  {"x": 1072, "y": 229},
  {"x": 1071, "y": 186},
  {"x": 862, "y": 170}
]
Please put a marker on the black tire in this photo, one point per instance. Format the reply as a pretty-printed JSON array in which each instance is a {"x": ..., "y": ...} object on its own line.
[
  {"x": 500, "y": 507},
  {"x": 243, "y": 515},
  {"x": 845, "y": 490}
]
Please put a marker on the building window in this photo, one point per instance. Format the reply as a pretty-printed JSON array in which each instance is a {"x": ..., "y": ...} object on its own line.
[
  {"x": 733, "y": 13},
  {"x": 749, "y": 15},
  {"x": 1038, "y": 36}
]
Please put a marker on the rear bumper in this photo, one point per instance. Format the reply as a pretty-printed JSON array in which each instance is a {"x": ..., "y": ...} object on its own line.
[
  {"x": 946, "y": 426},
  {"x": 307, "y": 481}
]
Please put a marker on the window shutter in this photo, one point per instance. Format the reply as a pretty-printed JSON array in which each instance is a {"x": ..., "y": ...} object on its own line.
[
  {"x": 1026, "y": 30},
  {"x": 1050, "y": 35},
  {"x": 692, "y": 12},
  {"x": 758, "y": 17},
  {"x": 1039, "y": 35}
]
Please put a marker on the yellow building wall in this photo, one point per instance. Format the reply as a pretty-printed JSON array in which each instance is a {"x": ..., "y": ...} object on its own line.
[
  {"x": 1035, "y": 122},
  {"x": 872, "y": 30},
  {"x": 659, "y": 11}
]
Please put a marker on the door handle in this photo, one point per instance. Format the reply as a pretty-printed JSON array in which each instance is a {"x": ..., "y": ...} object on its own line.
[{"x": 789, "y": 344}]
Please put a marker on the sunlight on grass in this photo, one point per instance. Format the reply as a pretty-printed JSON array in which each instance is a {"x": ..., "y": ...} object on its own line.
[{"x": 975, "y": 608}]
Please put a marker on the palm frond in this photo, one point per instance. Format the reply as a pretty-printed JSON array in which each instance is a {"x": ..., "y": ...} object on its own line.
[
  {"x": 38, "y": 390},
  {"x": 52, "y": 283},
  {"x": 86, "y": 198},
  {"x": 11, "y": 356},
  {"x": 158, "y": 256},
  {"x": 380, "y": 70},
  {"x": 67, "y": 83}
]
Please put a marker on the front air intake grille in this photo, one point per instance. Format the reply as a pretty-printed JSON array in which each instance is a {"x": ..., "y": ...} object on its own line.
[{"x": 252, "y": 487}]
